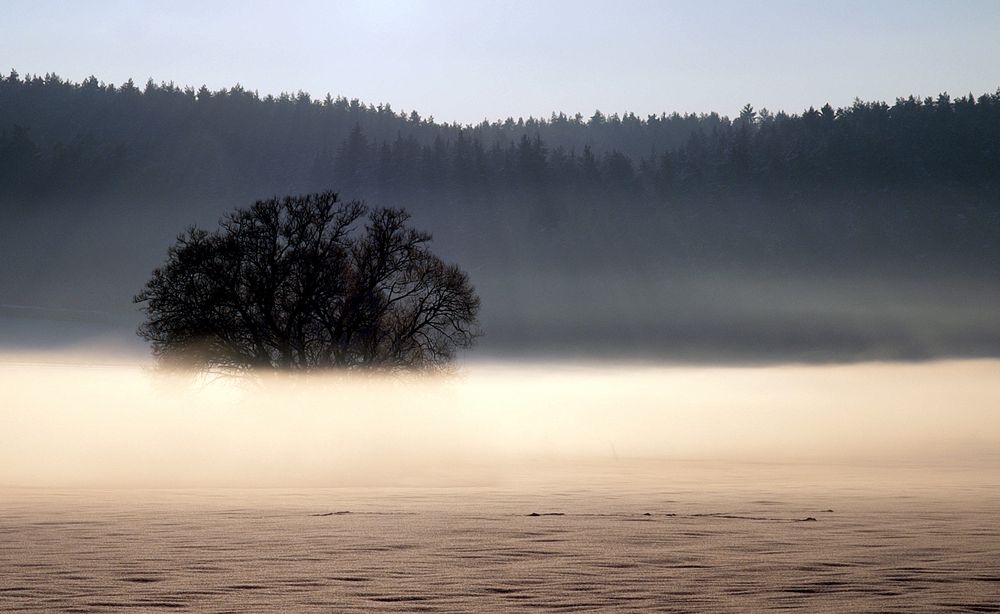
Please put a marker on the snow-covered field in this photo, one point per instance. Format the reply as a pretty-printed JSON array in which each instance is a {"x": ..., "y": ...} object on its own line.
[{"x": 866, "y": 487}]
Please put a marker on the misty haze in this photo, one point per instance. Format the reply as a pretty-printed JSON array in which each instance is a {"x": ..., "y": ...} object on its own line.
[{"x": 409, "y": 306}]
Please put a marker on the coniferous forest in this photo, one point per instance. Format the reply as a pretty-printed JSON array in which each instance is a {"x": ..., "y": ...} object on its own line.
[{"x": 868, "y": 231}]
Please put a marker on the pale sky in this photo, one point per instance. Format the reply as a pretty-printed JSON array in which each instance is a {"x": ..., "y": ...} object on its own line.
[{"x": 464, "y": 60}]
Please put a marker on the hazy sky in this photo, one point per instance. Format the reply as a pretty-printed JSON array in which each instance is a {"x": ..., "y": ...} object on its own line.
[{"x": 464, "y": 60}]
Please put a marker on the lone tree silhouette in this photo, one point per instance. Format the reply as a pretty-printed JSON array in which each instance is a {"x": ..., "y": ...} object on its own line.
[{"x": 307, "y": 282}]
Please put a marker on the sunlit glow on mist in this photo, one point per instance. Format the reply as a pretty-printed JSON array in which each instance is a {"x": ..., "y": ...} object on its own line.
[{"x": 122, "y": 425}]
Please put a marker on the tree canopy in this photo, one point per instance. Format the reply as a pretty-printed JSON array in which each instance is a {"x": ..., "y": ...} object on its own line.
[{"x": 297, "y": 283}]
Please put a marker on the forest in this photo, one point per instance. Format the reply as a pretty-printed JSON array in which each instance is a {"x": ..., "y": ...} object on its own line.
[{"x": 677, "y": 215}]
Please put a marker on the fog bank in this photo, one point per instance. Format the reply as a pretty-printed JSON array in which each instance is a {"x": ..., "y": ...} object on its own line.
[{"x": 67, "y": 421}]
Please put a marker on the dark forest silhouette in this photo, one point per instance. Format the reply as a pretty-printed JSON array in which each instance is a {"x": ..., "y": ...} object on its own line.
[
  {"x": 767, "y": 230},
  {"x": 295, "y": 284},
  {"x": 918, "y": 178}
]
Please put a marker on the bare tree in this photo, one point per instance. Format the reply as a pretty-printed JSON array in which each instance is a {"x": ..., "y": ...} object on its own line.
[{"x": 299, "y": 283}]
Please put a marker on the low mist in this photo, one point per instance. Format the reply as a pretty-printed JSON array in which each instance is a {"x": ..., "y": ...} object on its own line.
[{"x": 107, "y": 423}]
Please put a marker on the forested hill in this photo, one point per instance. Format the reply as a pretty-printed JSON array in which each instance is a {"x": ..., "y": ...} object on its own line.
[
  {"x": 57, "y": 133},
  {"x": 696, "y": 223},
  {"x": 60, "y": 137}
]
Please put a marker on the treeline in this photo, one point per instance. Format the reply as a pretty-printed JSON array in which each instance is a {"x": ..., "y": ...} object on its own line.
[
  {"x": 59, "y": 135},
  {"x": 916, "y": 180}
]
